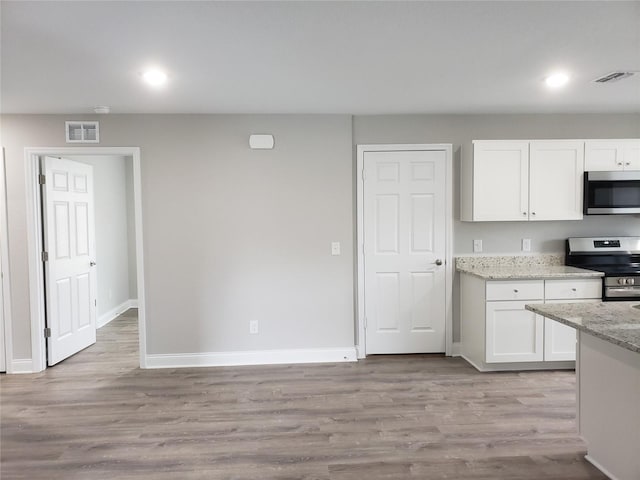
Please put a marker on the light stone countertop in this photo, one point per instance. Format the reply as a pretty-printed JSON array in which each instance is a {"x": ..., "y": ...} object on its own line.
[
  {"x": 614, "y": 322},
  {"x": 521, "y": 267}
]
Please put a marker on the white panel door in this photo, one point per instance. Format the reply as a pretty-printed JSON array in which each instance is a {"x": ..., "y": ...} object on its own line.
[
  {"x": 556, "y": 169},
  {"x": 69, "y": 240},
  {"x": 404, "y": 243},
  {"x": 500, "y": 180},
  {"x": 513, "y": 333}
]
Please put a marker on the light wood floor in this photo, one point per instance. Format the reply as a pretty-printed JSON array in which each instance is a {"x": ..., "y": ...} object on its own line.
[{"x": 97, "y": 416}]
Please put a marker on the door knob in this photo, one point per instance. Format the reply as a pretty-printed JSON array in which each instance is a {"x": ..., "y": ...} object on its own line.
[
  {"x": 438, "y": 262},
  {"x": 92, "y": 263}
]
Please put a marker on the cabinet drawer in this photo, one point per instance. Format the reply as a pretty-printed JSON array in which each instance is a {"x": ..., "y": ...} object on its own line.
[
  {"x": 567, "y": 289},
  {"x": 515, "y": 290}
]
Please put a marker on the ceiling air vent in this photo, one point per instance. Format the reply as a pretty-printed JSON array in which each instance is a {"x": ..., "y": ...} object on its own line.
[{"x": 613, "y": 77}]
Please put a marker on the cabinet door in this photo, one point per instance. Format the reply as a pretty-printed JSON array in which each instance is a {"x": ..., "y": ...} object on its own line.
[
  {"x": 560, "y": 339},
  {"x": 631, "y": 155},
  {"x": 603, "y": 155},
  {"x": 513, "y": 333},
  {"x": 556, "y": 169},
  {"x": 500, "y": 180}
]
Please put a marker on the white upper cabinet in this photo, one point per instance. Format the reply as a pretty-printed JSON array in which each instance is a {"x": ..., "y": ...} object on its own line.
[
  {"x": 522, "y": 180},
  {"x": 500, "y": 181},
  {"x": 556, "y": 169},
  {"x": 609, "y": 155}
]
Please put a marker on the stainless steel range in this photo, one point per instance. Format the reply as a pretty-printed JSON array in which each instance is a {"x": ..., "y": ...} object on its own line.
[{"x": 617, "y": 257}]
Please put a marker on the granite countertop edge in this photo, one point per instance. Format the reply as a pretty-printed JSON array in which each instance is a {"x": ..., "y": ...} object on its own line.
[
  {"x": 511, "y": 273},
  {"x": 611, "y": 338}
]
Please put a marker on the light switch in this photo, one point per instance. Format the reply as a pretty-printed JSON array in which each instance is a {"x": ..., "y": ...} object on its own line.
[
  {"x": 335, "y": 248},
  {"x": 477, "y": 246},
  {"x": 526, "y": 244}
]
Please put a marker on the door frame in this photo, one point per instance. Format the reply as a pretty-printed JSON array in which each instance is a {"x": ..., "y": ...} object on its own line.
[
  {"x": 361, "y": 150},
  {"x": 6, "y": 278},
  {"x": 34, "y": 243}
]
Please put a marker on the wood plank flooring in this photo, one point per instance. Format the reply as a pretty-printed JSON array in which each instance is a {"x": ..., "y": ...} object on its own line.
[{"x": 98, "y": 416}]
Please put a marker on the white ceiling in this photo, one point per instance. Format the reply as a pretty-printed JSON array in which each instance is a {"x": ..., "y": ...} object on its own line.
[{"x": 318, "y": 57}]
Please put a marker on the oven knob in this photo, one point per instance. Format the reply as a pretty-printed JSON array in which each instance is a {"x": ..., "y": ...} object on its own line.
[
  {"x": 622, "y": 281},
  {"x": 630, "y": 281}
]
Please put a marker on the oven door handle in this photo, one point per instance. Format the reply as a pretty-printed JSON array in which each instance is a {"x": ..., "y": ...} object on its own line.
[{"x": 622, "y": 291}]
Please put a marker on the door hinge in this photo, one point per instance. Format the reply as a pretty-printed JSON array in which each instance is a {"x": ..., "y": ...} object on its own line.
[
  {"x": 42, "y": 179},
  {"x": 45, "y": 256},
  {"x": 365, "y": 323},
  {"x": 95, "y": 302},
  {"x": 364, "y": 174},
  {"x": 47, "y": 332}
]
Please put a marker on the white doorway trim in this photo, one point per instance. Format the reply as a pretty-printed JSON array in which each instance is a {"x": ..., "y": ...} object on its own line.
[
  {"x": 6, "y": 280},
  {"x": 34, "y": 243},
  {"x": 448, "y": 149}
]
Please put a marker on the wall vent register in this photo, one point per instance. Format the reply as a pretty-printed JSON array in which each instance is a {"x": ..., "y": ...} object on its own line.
[{"x": 82, "y": 132}]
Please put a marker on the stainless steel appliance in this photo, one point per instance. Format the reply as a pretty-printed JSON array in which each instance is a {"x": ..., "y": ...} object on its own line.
[
  {"x": 617, "y": 257},
  {"x": 611, "y": 193}
]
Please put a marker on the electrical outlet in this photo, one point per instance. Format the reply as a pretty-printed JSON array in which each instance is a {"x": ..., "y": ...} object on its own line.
[
  {"x": 335, "y": 248},
  {"x": 253, "y": 327},
  {"x": 477, "y": 246},
  {"x": 526, "y": 244}
]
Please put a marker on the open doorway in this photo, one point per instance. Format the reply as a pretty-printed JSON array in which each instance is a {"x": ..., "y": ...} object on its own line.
[
  {"x": 114, "y": 234},
  {"x": 118, "y": 238},
  {"x": 89, "y": 240}
]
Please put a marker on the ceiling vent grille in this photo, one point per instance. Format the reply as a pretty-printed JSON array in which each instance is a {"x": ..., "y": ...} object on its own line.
[{"x": 613, "y": 77}]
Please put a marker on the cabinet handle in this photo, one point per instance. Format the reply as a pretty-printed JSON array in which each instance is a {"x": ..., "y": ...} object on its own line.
[
  {"x": 574, "y": 290},
  {"x": 627, "y": 163},
  {"x": 619, "y": 163},
  {"x": 533, "y": 213},
  {"x": 524, "y": 213},
  {"x": 515, "y": 290}
]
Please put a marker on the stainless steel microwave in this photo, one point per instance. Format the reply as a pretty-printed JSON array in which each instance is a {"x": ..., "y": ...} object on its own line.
[{"x": 612, "y": 193}]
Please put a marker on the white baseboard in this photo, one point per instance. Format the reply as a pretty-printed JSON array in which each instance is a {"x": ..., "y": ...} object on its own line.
[
  {"x": 256, "y": 357},
  {"x": 20, "y": 366},
  {"x": 596, "y": 464},
  {"x": 455, "y": 349},
  {"x": 114, "y": 312}
]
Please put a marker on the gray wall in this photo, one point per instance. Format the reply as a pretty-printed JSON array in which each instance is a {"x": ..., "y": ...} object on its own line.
[
  {"x": 131, "y": 229},
  {"x": 113, "y": 207},
  {"x": 233, "y": 235},
  {"x": 230, "y": 234}
]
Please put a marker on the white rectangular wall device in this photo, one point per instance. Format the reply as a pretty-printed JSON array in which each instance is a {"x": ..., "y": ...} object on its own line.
[{"x": 261, "y": 142}]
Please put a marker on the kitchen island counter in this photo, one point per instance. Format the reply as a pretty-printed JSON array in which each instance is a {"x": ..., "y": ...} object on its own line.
[
  {"x": 607, "y": 380},
  {"x": 614, "y": 322}
]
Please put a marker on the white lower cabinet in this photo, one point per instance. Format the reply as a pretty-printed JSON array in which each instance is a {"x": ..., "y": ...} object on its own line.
[
  {"x": 559, "y": 339},
  {"x": 513, "y": 333},
  {"x": 498, "y": 333}
]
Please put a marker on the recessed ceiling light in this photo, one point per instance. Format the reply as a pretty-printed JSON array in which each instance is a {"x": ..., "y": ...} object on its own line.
[
  {"x": 556, "y": 80},
  {"x": 155, "y": 78}
]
